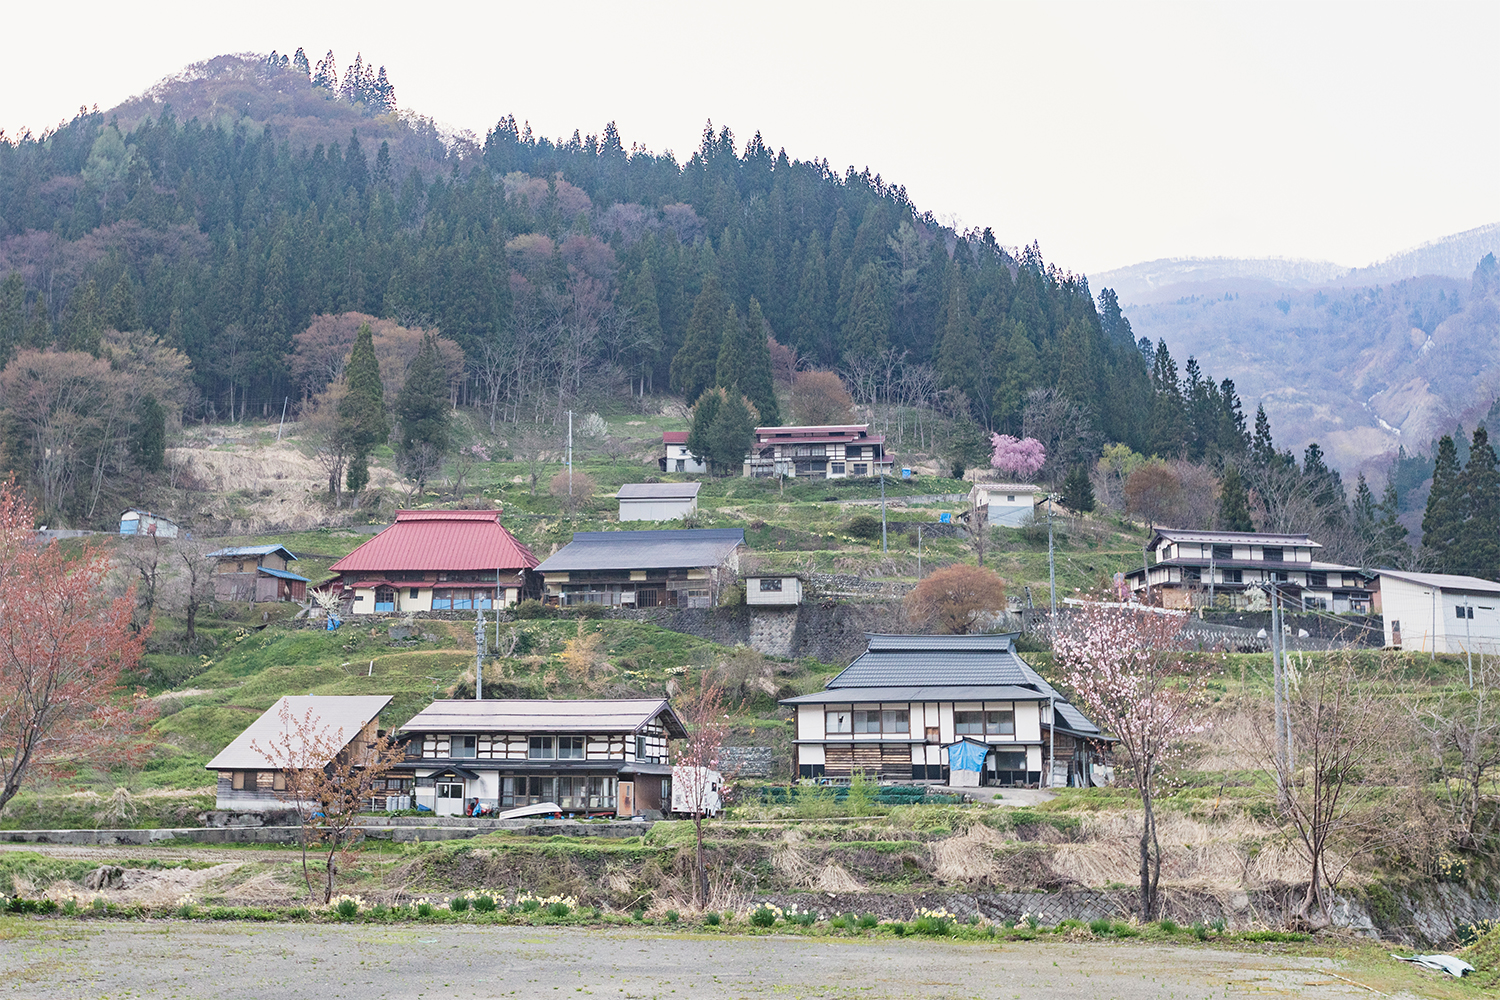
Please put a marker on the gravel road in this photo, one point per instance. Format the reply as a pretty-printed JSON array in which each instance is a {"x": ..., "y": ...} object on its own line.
[{"x": 81, "y": 959}]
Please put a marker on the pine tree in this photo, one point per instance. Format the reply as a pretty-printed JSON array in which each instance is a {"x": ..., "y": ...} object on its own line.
[
  {"x": 699, "y": 442},
  {"x": 731, "y": 363},
  {"x": 695, "y": 366},
  {"x": 1392, "y": 548},
  {"x": 1364, "y": 512},
  {"x": 83, "y": 322},
  {"x": 120, "y": 313},
  {"x": 1078, "y": 491},
  {"x": 1479, "y": 541},
  {"x": 12, "y": 316},
  {"x": 1168, "y": 411},
  {"x": 148, "y": 443},
  {"x": 959, "y": 360},
  {"x": 638, "y": 304},
  {"x": 1015, "y": 370},
  {"x": 1234, "y": 503},
  {"x": 757, "y": 381},
  {"x": 1443, "y": 521},
  {"x": 423, "y": 411},
  {"x": 362, "y": 422},
  {"x": 1262, "y": 449},
  {"x": 300, "y": 63},
  {"x": 867, "y": 330},
  {"x": 731, "y": 434},
  {"x": 810, "y": 332}
]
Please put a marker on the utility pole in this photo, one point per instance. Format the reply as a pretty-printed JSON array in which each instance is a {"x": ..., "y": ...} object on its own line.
[
  {"x": 479, "y": 653},
  {"x": 1052, "y": 569},
  {"x": 883, "y": 546},
  {"x": 1469, "y": 640},
  {"x": 919, "y": 553},
  {"x": 570, "y": 454},
  {"x": 1210, "y": 577},
  {"x": 284, "y": 400},
  {"x": 1276, "y": 684},
  {"x": 1051, "y": 738}
]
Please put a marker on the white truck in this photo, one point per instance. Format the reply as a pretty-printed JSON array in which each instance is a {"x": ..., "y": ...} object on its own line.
[{"x": 696, "y": 789}]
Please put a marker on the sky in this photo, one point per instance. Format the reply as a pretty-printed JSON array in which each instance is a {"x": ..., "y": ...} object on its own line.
[{"x": 1111, "y": 133}]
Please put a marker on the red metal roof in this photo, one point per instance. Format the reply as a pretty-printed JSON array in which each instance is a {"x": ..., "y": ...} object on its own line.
[
  {"x": 828, "y": 439},
  {"x": 674, "y": 437},
  {"x": 440, "y": 540}
]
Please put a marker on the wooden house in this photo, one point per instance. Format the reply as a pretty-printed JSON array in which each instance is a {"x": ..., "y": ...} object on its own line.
[
  {"x": 438, "y": 560},
  {"x": 826, "y": 451},
  {"x": 897, "y": 709},
  {"x": 678, "y": 567},
  {"x": 657, "y": 501},
  {"x": 1194, "y": 568},
  {"x": 257, "y": 573},
  {"x": 248, "y": 780},
  {"x": 134, "y": 521},
  {"x": 589, "y": 757}
]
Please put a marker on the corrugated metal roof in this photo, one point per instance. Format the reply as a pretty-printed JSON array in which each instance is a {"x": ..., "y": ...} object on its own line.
[
  {"x": 440, "y": 540},
  {"x": 823, "y": 439},
  {"x": 521, "y": 715},
  {"x": 675, "y": 548},
  {"x": 1230, "y": 537},
  {"x": 251, "y": 550},
  {"x": 280, "y": 574},
  {"x": 844, "y": 429},
  {"x": 658, "y": 491},
  {"x": 955, "y": 692},
  {"x": 996, "y": 641},
  {"x": 1445, "y": 581},
  {"x": 674, "y": 437},
  {"x": 344, "y": 715}
]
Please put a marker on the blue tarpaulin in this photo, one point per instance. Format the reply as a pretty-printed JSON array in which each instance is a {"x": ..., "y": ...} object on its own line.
[{"x": 966, "y": 755}]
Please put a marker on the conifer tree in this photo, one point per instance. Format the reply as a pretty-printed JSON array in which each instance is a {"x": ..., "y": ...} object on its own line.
[
  {"x": 705, "y": 410},
  {"x": 1168, "y": 411},
  {"x": 83, "y": 322},
  {"x": 12, "y": 316},
  {"x": 731, "y": 364},
  {"x": 639, "y": 305},
  {"x": 731, "y": 434},
  {"x": 1479, "y": 541},
  {"x": 1262, "y": 449},
  {"x": 1392, "y": 548},
  {"x": 362, "y": 422},
  {"x": 120, "y": 313},
  {"x": 1016, "y": 370},
  {"x": 757, "y": 381},
  {"x": 867, "y": 329},
  {"x": 1078, "y": 491},
  {"x": 1234, "y": 503},
  {"x": 423, "y": 411},
  {"x": 148, "y": 443},
  {"x": 695, "y": 366},
  {"x": 1443, "y": 522},
  {"x": 810, "y": 320},
  {"x": 958, "y": 360},
  {"x": 1364, "y": 512}
]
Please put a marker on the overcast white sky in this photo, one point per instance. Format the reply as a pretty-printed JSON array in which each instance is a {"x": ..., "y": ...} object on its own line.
[{"x": 1111, "y": 132}]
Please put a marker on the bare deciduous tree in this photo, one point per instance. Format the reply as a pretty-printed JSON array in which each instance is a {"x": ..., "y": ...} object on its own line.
[
  {"x": 1460, "y": 732},
  {"x": 697, "y": 760}
]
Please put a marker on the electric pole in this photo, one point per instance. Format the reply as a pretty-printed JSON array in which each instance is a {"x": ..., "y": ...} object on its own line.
[
  {"x": 1052, "y": 567},
  {"x": 570, "y": 454},
  {"x": 883, "y": 546},
  {"x": 479, "y": 653}
]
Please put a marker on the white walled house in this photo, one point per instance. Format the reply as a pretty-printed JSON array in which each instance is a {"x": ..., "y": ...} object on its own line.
[
  {"x": 1007, "y": 504},
  {"x": 894, "y": 712},
  {"x": 773, "y": 590},
  {"x": 1440, "y": 612},
  {"x": 1191, "y": 568},
  {"x": 824, "y": 451},
  {"x": 604, "y": 757},
  {"x": 657, "y": 501},
  {"x": 672, "y": 567},
  {"x": 675, "y": 454}
]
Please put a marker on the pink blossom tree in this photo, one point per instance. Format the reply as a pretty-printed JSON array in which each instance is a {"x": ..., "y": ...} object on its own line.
[
  {"x": 1124, "y": 672},
  {"x": 1020, "y": 456}
]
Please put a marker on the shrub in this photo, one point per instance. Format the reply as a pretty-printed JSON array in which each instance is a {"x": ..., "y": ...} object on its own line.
[
  {"x": 839, "y": 922},
  {"x": 868, "y": 920},
  {"x": 531, "y": 609},
  {"x": 586, "y": 610},
  {"x": 1122, "y": 929},
  {"x": 424, "y": 909},
  {"x": 712, "y": 919},
  {"x": 763, "y": 916},
  {"x": 1168, "y": 926},
  {"x": 866, "y": 526},
  {"x": 484, "y": 903},
  {"x": 559, "y": 909},
  {"x": 347, "y": 908},
  {"x": 673, "y": 916},
  {"x": 459, "y": 904},
  {"x": 530, "y": 905},
  {"x": 1100, "y": 927}
]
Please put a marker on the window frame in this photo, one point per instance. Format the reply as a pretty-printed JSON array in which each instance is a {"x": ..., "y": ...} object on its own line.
[{"x": 541, "y": 748}]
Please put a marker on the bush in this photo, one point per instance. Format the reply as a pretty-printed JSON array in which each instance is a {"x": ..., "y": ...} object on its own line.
[
  {"x": 673, "y": 916},
  {"x": 530, "y": 905},
  {"x": 712, "y": 919},
  {"x": 868, "y": 920},
  {"x": 559, "y": 910},
  {"x": 1100, "y": 927},
  {"x": 590, "y": 611},
  {"x": 348, "y": 909},
  {"x": 459, "y": 904},
  {"x": 1168, "y": 926},
  {"x": 484, "y": 904},
  {"x": 866, "y": 526},
  {"x": 531, "y": 609},
  {"x": 763, "y": 916},
  {"x": 424, "y": 909}
]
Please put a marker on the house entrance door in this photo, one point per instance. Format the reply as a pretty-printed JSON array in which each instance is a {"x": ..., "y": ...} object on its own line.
[
  {"x": 450, "y": 798},
  {"x": 627, "y": 798}
]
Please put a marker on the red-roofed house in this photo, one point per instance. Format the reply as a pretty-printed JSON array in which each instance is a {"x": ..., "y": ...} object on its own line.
[
  {"x": 675, "y": 456},
  {"x": 832, "y": 451},
  {"x": 438, "y": 560}
]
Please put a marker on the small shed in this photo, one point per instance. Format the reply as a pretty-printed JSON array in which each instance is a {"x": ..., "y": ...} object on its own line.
[
  {"x": 966, "y": 762},
  {"x": 773, "y": 589},
  {"x": 1006, "y": 504},
  {"x": 657, "y": 501},
  {"x": 134, "y": 521},
  {"x": 1439, "y": 612},
  {"x": 257, "y": 573}
]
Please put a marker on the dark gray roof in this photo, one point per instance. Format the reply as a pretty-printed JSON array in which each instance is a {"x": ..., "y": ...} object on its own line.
[
  {"x": 250, "y": 550},
  {"x": 1230, "y": 537},
  {"x": 521, "y": 715},
  {"x": 952, "y": 663},
  {"x": 992, "y": 692},
  {"x": 658, "y": 491},
  {"x": 677, "y": 548}
]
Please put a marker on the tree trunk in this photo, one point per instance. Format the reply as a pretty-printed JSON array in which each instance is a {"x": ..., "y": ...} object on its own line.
[
  {"x": 1148, "y": 838},
  {"x": 700, "y": 875}
]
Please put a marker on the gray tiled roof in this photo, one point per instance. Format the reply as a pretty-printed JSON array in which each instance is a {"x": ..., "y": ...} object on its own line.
[
  {"x": 658, "y": 491},
  {"x": 1444, "y": 581},
  {"x": 989, "y": 692},
  {"x": 678, "y": 548},
  {"x": 1230, "y": 537}
]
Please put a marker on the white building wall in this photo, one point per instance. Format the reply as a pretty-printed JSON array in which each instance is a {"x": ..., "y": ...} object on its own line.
[
  {"x": 1420, "y": 616},
  {"x": 656, "y": 510}
]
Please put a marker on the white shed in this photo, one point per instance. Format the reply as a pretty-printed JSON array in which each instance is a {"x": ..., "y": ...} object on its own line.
[
  {"x": 135, "y": 521},
  {"x": 1008, "y": 503},
  {"x": 773, "y": 590},
  {"x": 1440, "y": 612},
  {"x": 657, "y": 501}
]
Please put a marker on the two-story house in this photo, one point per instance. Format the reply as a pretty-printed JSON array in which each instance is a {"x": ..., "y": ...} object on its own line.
[
  {"x": 831, "y": 451},
  {"x": 903, "y": 704},
  {"x": 438, "y": 560},
  {"x": 675, "y": 454},
  {"x": 672, "y": 568},
  {"x": 257, "y": 573},
  {"x": 1193, "y": 568},
  {"x": 589, "y": 757}
]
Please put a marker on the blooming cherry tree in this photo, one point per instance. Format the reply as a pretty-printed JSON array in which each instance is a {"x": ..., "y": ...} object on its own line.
[
  {"x": 1121, "y": 665},
  {"x": 1021, "y": 456}
]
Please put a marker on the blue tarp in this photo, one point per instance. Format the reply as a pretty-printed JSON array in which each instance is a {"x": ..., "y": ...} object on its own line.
[{"x": 967, "y": 756}]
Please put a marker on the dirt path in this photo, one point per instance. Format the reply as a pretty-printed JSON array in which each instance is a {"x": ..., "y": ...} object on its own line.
[{"x": 78, "y": 959}]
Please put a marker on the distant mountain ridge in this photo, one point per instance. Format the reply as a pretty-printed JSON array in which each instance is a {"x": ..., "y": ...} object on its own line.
[{"x": 1452, "y": 256}]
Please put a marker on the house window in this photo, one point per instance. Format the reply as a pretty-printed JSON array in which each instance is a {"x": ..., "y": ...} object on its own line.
[
  {"x": 570, "y": 747},
  {"x": 1000, "y": 723},
  {"x": 1010, "y": 498},
  {"x": 1460, "y": 609},
  {"x": 1279, "y": 576},
  {"x": 861, "y": 470},
  {"x": 385, "y": 599},
  {"x": 866, "y": 721},
  {"x": 836, "y": 468},
  {"x": 666, "y": 793},
  {"x": 770, "y": 585},
  {"x": 968, "y": 723},
  {"x": 1318, "y": 580},
  {"x": 1223, "y": 552},
  {"x": 414, "y": 593},
  {"x": 450, "y": 790},
  {"x": 1191, "y": 573},
  {"x": 1233, "y": 576},
  {"x": 897, "y": 720},
  {"x": 640, "y": 748},
  {"x": 463, "y": 746},
  {"x": 278, "y": 781},
  {"x": 243, "y": 781},
  {"x": 541, "y": 748},
  {"x": 1270, "y": 554},
  {"x": 837, "y": 721}
]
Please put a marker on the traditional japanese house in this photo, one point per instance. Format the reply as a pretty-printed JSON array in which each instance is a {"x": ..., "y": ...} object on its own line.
[
  {"x": 249, "y": 780},
  {"x": 590, "y": 757},
  {"x": 825, "y": 451},
  {"x": 680, "y": 567},
  {"x": 897, "y": 709},
  {"x": 438, "y": 560},
  {"x": 257, "y": 573}
]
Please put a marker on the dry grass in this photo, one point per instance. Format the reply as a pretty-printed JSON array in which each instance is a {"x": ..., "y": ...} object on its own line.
[
  {"x": 1195, "y": 855},
  {"x": 969, "y": 857},
  {"x": 151, "y": 887}
]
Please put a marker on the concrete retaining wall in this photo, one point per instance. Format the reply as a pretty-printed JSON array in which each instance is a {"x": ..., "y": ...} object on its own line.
[{"x": 444, "y": 828}]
